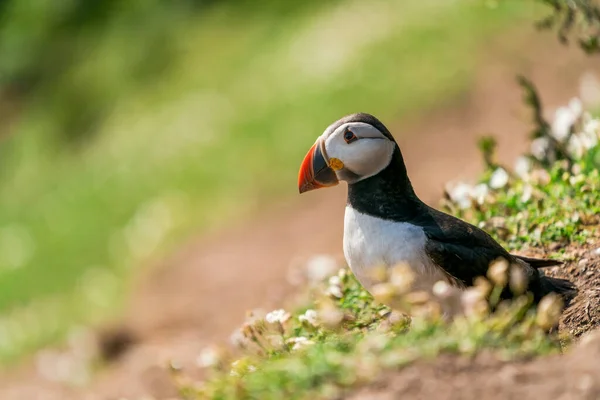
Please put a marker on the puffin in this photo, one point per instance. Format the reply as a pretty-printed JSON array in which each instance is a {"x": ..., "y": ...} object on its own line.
[{"x": 386, "y": 224}]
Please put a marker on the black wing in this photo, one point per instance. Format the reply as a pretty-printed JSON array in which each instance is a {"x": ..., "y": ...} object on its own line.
[{"x": 461, "y": 249}]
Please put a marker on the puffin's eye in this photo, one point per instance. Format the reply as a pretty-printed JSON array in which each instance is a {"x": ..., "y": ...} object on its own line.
[{"x": 349, "y": 136}]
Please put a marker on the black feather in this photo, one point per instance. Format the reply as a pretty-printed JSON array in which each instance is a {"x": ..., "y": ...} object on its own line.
[{"x": 538, "y": 262}]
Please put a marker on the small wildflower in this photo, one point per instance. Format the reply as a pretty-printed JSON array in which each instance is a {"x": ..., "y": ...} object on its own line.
[
  {"x": 320, "y": 267},
  {"x": 460, "y": 194},
  {"x": 310, "y": 317},
  {"x": 539, "y": 147},
  {"x": 565, "y": 118},
  {"x": 275, "y": 341},
  {"x": 442, "y": 289},
  {"x": 335, "y": 291},
  {"x": 498, "y": 272},
  {"x": 517, "y": 280},
  {"x": 540, "y": 177},
  {"x": 335, "y": 280},
  {"x": 591, "y": 126},
  {"x": 238, "y": 339},
  {"x": 522, "y": 167},
  {"x": 330, "y": 316},
  {"x": 402, "y": 278},
  {"x": 483, "y": 285},
  {"x": 480, "y": 192},
  {"x": 527, "y": 193},
  {"x": 549, "y": 311},
  {"x": 209, "y": 357},
  {"x": 575, "y": 147},
  {"x": 277, "y": 316},
  {"x": 418, "y": 298},
  {"x": 299, "y": 342},
  {"x": 474, "y": 303},
  {"x": 383, "y": 293},
  {"x": 378, "y": 274},
  {"x": 499, "y": 178}
]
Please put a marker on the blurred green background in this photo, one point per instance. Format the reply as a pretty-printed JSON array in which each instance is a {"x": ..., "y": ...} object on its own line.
[{"x": 128, "y": 125}]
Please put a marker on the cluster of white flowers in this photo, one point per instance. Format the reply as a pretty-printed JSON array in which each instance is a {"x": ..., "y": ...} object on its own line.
[
  {"x": 310, "y": 317},
  {"x": 574, "y": 128},
  {"x": 463, "y": 194},
  {"x": 277, "y": 316},
  {"x": 335, "y": 287}
]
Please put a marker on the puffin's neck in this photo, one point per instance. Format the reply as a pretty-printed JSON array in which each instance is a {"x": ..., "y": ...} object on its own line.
[{"x": 388, "y": 195}]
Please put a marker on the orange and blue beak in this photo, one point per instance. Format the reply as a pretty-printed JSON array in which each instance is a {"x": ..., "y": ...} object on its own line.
[{"x": 315, "y": 172}]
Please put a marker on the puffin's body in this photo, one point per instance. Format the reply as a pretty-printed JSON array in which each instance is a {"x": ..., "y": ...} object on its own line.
[{"x": 387, "y": 224}]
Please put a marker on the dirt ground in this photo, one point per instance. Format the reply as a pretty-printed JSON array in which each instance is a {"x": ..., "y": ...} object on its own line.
[
  {"x": 201, "y": 293},
  {"x": 572, "y": 376}
]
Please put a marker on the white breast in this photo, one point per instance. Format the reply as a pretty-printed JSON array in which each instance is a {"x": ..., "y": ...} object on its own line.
[{"x": 370, "y": 242}]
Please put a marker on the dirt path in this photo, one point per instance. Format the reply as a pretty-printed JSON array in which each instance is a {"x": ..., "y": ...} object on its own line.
[{"x": 201, "y": 293}]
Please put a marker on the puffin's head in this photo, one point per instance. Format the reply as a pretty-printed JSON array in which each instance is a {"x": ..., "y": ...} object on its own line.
[{"x": 353, "y": 148}]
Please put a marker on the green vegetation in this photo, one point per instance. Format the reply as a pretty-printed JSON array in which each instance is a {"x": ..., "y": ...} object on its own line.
[
  {"x": 342, "y": 338},
  {"x": 126, "y": 133}
]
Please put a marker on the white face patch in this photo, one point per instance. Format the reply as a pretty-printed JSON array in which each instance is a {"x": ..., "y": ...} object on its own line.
[{"x": 370, "y": 153}]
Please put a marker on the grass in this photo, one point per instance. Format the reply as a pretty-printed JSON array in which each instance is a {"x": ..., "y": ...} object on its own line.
[
  {"x": 340, "y": 337},
  {"x": 222, "y": 130},
  {"x": 353, "y": 353}
]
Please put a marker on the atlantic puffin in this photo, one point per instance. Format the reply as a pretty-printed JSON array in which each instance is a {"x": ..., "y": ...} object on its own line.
[{"x": 386, "y": 224}]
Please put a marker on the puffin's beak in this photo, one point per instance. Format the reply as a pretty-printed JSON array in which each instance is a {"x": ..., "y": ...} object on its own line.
[{"x": 315, "y": 173}]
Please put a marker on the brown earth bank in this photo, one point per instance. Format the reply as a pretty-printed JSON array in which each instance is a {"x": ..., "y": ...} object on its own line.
[
  {"x": 201, "y": 293},
  {"x": 567, "y": 377}
]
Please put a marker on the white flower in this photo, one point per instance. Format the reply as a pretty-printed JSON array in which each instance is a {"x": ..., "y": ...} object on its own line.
[
  {"x": 335, "y": 280},
  {"x": 309, "y": 316},
  {"x": 522, "y": 167},
  {"x": 460, "y": 194},
  {"x": 565, "y": 118},
  {"x": 479, "y": 193},
  {"x": 591, "y": 126},
  {"x": 280, "y": 316},
  {"x": 576, "y": 106},
  {"x": 238, "y": 339},
  {"x": 499, "y": 178},
  {"x": 527, "y": 192},
  {"x": 335, "y": 291},
  {"x": 441, "y": 289},
  {"x": 575, "y": 147},
  {"x": 589, "y": 137},
  {"x": 208, "y": 357},
  {"x": 300, "y": 342},
  {"x": 539, "y": 148},
  {"x": 320, "y": 267}
]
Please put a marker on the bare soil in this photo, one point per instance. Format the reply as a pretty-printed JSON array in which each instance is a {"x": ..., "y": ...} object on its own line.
[
  {"x": 201, "y": 293},
  {"x": 572, "y": 376}
]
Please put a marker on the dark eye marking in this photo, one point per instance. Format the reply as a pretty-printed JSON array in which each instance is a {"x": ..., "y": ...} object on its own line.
[{"x": 349, "y": 136}]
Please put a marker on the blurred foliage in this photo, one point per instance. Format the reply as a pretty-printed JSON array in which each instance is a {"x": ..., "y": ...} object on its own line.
[
  {"x": 42, "y": 43},
  {"x": 128, "y": 125},
  {"x": 579, "y": 18}
]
